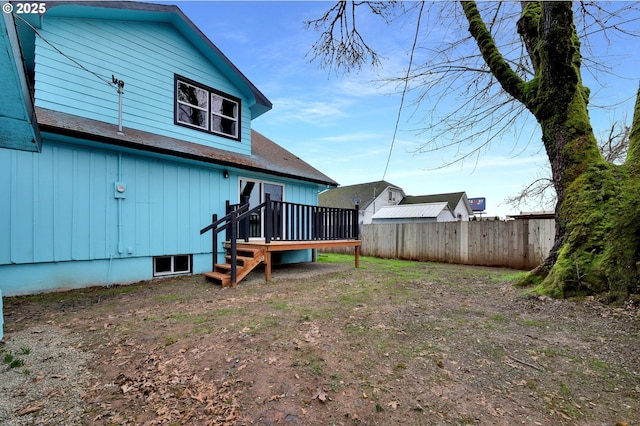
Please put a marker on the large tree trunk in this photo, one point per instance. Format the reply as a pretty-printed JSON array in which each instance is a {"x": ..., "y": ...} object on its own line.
[{"x": 598, "y": 211}]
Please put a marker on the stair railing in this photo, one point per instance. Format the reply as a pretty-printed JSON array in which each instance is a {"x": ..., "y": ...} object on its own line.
[
  {"x": 282, "y": 221},
  {"x": 229, "y": 223}
]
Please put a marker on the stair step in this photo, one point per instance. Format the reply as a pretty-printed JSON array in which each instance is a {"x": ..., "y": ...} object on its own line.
[
  {"x": 247, "y": 260},
  {"x": 220, "y": 278},
  {"x": 240, "y": 259},
  {"x": 250, "y": 252}
]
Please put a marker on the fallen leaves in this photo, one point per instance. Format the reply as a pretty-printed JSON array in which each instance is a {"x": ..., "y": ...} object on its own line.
[
  {"x": 165, "y": 387},
  {"x": 30, "y": 409},
  {"x": 321, "y": 395}
]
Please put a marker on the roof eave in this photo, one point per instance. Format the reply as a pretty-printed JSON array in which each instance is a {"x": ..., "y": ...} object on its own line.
[
  {"x": 18, "y": 126},
  {"x": 173, "y": 15}
]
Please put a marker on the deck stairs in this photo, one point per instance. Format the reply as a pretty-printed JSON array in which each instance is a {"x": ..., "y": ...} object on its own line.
[{"x": 247, "y": 259}]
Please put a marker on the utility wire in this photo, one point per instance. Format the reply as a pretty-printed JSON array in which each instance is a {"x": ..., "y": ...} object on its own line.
[
  {"x": 404, "y": 91},
  {"x": 104, "y": 80}
]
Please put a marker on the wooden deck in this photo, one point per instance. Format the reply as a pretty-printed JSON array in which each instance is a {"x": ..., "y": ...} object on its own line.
[{"x": 276, "y": 246}]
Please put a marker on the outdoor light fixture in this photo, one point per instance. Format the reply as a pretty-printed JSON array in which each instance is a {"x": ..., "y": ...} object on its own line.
[
  {"x": 356, "y": 200},
  {"x": 225, "y": 174}
]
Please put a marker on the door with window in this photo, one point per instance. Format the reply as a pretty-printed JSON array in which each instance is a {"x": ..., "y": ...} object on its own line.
[{"x": 254, "y": 191}]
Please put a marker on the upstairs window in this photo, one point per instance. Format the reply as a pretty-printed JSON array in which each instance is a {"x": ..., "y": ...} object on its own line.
[{"x": 206, "y": 109}]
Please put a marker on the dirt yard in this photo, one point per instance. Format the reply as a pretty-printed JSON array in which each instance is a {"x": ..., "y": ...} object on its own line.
[{"x": 389, "y": 343}]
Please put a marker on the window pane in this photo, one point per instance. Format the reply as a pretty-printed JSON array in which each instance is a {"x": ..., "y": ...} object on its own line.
[
  {"x": 252, "y": 190},
  {"x": 223, "y": 125},
  {"x": 181, "y": 263},
  {"x": 229, "y": 108},
  {"x": 193, "y": 116},
  {"x": 223, "y": 106},
  {"x": 275, "y": 191},
  {"x": 162, "y": 264},
  {"x": 192, "y": 95}
]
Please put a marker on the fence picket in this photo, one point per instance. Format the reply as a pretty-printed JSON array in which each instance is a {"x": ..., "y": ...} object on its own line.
[{"x": 519, "y": 244}]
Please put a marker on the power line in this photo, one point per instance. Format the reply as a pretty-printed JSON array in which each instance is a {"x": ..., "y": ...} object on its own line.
[
  {"x": 404, "y": 91},
  {"x": 104, "y": 80}
]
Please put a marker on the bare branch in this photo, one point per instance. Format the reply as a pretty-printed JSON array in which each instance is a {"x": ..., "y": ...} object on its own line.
[{"x": 340, "y": 46}]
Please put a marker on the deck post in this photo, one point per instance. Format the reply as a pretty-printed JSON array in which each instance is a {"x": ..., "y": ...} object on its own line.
[
  {"x": 356, "y": 222},
  {"x": 234, "y": 243},
  {"x": 214, "y": 243},
  {"x": 357, "y": 256},
  {"x": 268, "y": 219},
  {"x": 267, "y": 265}
]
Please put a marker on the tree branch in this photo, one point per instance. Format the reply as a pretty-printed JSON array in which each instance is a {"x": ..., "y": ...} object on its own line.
[
  {"x": 341, "y": 46},
  {"x": 499, "y": 67}
]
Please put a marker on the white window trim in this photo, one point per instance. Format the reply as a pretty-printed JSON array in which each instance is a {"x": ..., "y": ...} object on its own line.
[
  {"x": 208, "y": 112},
  {"x": 234, "y": 119},
  {"x": 260, "y": 182},
  {"x": 173, "y": 265}
]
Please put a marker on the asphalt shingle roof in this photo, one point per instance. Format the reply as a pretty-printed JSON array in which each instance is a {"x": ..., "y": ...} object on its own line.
[
  {"x": 342, "y": 197},
  {"x": 266, "y": 156},
  {"x": 453, "y": 198}
]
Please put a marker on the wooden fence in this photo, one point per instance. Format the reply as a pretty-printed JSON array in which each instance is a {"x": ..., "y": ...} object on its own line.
[{"x": 518, "y": 244}]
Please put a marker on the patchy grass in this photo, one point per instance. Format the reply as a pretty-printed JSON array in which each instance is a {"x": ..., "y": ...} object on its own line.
[{"x": 392, "y": 342}]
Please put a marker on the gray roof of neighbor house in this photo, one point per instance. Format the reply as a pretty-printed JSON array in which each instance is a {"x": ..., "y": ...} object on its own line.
[
  {"x": 412, "y": 211},
  {"x": 266, "y": 156},
  {"x": 342, "y": 197},
  {"x": 453, "y": 198}
]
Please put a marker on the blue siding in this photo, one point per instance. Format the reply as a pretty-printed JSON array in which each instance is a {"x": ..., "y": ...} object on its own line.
[
  {"x": 62, "y": 224},
  {"x": 62, "y": 206},
  {"x": 65, "y": 228},
  {"x": 145, "y": 56}
]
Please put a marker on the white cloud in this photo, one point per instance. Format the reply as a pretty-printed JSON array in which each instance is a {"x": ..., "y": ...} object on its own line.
[
  {"x": 352, "y": 137},
  {"x": 317, "y": 112}
]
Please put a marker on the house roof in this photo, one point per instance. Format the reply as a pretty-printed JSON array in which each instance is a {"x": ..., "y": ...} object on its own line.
[
  {"x": 423, "y": 210},
  {"x": 453, "y": 198},
  {"x": 342, "y": 197},
  {"x": 18, "y": 129},
  {"x": 143, "y": 12},
  {"x": 266, "y": 156},
  {"x": 533, "y": 215}
]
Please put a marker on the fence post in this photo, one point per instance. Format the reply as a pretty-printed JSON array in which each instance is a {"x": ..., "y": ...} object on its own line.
[{"x": 463, "y": 239}]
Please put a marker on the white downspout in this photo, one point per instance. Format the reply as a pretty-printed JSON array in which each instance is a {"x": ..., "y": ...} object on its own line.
[{"x": 119, "y": 219}]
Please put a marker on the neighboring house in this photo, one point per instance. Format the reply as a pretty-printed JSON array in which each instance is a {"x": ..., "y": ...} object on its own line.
[
  {"x": 457, "y": 201},
  {"x": 375, "y": 195},
  {"x": 414, "y": 213},
  {"x": 370, "y": 198},
  {"x": 106, "y": 201}
]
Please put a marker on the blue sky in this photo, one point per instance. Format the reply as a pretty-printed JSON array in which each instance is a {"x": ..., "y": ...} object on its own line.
[{"x": 344, "y": 124}]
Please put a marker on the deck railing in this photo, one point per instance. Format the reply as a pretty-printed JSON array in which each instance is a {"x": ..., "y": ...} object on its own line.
[
  {"x": 281, "y": 221},
  {"x": 284, "y": 221}
]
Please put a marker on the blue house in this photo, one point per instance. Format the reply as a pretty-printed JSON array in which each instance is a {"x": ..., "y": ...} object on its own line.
[{"x": 123, "y": 129}]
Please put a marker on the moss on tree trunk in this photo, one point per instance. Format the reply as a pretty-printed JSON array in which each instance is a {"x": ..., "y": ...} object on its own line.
[{"x": 597, "y": 212}]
